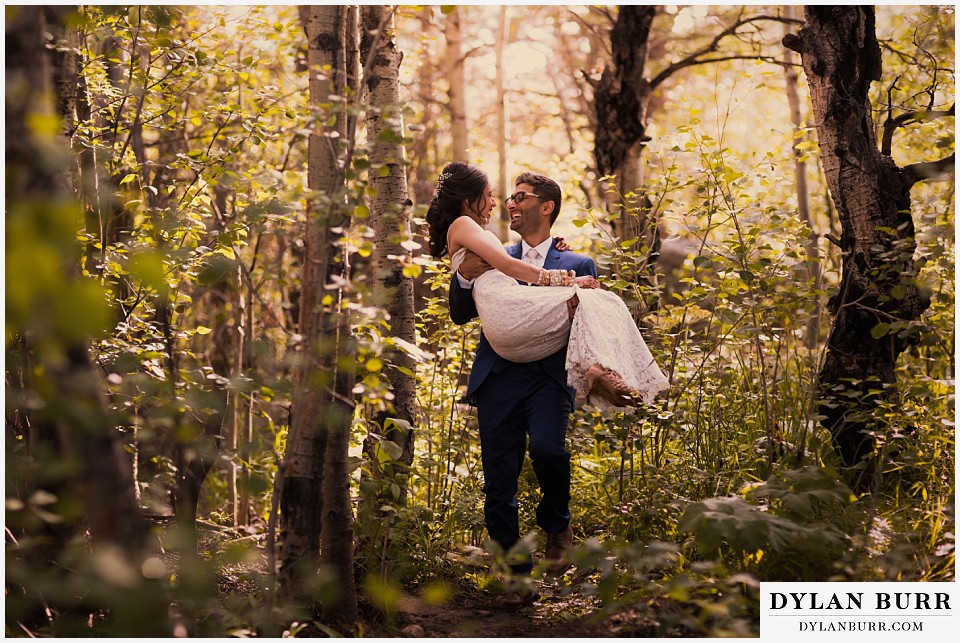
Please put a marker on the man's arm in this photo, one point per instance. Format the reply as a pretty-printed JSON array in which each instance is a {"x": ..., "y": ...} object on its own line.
[
  {"x": 462, "y": 307},
  {"x": 587, "y": 267}
]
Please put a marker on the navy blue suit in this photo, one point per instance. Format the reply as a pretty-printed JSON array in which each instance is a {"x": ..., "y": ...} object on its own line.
[{"x": 516, "y": 400}]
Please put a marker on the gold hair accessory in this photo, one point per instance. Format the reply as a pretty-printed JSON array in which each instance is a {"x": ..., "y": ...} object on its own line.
[{"x": 443, "y": 177}]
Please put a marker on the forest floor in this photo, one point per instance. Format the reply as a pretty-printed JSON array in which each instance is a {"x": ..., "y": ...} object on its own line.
[
  {"x": 562, "y": 610},
  {"x": 553, "y": 615}
]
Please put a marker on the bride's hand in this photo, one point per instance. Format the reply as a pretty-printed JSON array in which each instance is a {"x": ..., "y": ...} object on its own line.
[
  {"x": 560, "y": 244},
  {"x": 587, "y": 282}
]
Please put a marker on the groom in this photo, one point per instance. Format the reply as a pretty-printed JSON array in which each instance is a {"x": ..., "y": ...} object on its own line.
[{"x": 514, "y": 400}]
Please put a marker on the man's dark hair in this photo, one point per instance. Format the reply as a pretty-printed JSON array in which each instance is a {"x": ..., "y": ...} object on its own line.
[{"x": 546, "y": 187}]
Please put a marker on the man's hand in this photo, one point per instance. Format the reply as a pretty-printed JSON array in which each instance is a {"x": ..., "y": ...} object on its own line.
[{"x": 473, "y": 266}]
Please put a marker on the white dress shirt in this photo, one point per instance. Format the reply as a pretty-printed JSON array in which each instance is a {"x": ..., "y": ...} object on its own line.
[{"x": 543, "y": 248}]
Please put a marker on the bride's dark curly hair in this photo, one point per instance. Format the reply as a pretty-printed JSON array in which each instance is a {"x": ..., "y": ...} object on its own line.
[{"x": 458, "y": 182}]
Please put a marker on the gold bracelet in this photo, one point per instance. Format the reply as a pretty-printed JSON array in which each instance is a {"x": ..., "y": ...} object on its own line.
[{"x": 556, "y": 278}]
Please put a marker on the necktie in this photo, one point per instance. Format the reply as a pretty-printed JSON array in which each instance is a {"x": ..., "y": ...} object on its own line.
[{"x": 532, "y": 257}]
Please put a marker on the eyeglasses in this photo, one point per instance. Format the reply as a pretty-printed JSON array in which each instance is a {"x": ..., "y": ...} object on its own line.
[{"x": 518, "y": 197}]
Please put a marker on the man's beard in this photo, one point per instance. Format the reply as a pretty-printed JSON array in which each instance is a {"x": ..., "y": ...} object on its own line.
[{"x": 519, "y": 224}]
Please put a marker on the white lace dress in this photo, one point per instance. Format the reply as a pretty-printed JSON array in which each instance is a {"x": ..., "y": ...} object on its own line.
[{"x": 527, "y": 323}]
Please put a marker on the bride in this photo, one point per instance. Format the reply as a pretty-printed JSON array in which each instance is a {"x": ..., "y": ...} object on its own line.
[{"x": 606, "y": 355}]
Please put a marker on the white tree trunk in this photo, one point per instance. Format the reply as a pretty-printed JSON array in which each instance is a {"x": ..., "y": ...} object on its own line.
[
  {"x": 457, "y": 105},
  {"x": 390, "y": 219},
  {"x": 312, "y": 492},
  {"x": 503, "y": 221},
  {"x": 390, "y": 206},
  {"x": 800, "y": 181}
]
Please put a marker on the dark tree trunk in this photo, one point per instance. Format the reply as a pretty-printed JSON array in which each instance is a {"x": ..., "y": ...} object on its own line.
[
  {"x": 621, "y": 101},
  {"x": 620, "y": 98},
  {"x": 65, "y": 61},
  {"x": 65, "y": 384},
  {"x": 878, "y": 290}
]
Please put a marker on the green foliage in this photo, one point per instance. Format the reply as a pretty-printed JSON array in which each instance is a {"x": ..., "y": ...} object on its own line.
[
  {"x": 51, "y": 303},
  {"x": 793, "y": 534},
  {"x": 684, "y": 505}
]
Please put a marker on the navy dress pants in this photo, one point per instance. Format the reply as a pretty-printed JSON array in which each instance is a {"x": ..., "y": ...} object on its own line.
[{"x": 523, "y": 401}]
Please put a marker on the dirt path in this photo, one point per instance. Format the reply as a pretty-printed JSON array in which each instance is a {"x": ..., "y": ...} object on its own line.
[
  {"x": 552, "y": 616},
  {"x": 562, "y": 610}
]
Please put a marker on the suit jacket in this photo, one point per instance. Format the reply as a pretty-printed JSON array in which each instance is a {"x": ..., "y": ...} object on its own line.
[{"x": 463, "y": 309}]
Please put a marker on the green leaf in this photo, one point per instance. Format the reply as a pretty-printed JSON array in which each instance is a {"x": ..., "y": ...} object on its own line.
[
  {"x": 729, "y": 176},
  {"x": 880, "y": 330},
  {"x": 398, "y": 423},
  {"x": 149, "y": 268},
  {"x": 388, "y": 451},
  {"x": 81, "y": 311},
  {"x": 702, "y": 262}
]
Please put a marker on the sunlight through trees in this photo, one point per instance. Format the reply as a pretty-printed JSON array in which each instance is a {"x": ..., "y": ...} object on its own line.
[{"x": 234, "y": 395}]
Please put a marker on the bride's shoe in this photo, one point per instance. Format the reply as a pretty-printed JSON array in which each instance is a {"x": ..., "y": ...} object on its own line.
[{"x": 608, "y": 384}]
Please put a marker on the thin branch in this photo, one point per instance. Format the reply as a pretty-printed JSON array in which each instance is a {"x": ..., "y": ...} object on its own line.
[
  {"x": 932, "y": 87},
  {"x": 603, "y": 40},
  {"x": 695, "y": 57},
  {"x": 24, "y": 628},
  {"x": 930, "y": 170},
  {"x": 704, "y": 61},
  {"x": 603, "y": 11},
  {"x": 832, "y": 239},
  {"x": 471, "y": 52},
  {"x": 910, "y": 59},
  {"x": 888, "y": 134},
  {"x": 892, "y": 124},
  {"x": 590, "y": 80}
]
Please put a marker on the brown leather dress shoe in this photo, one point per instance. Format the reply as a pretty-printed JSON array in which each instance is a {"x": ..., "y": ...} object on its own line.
[
  {"x": 608, "y": 384},
  {"x": 558, "y": 549}
]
